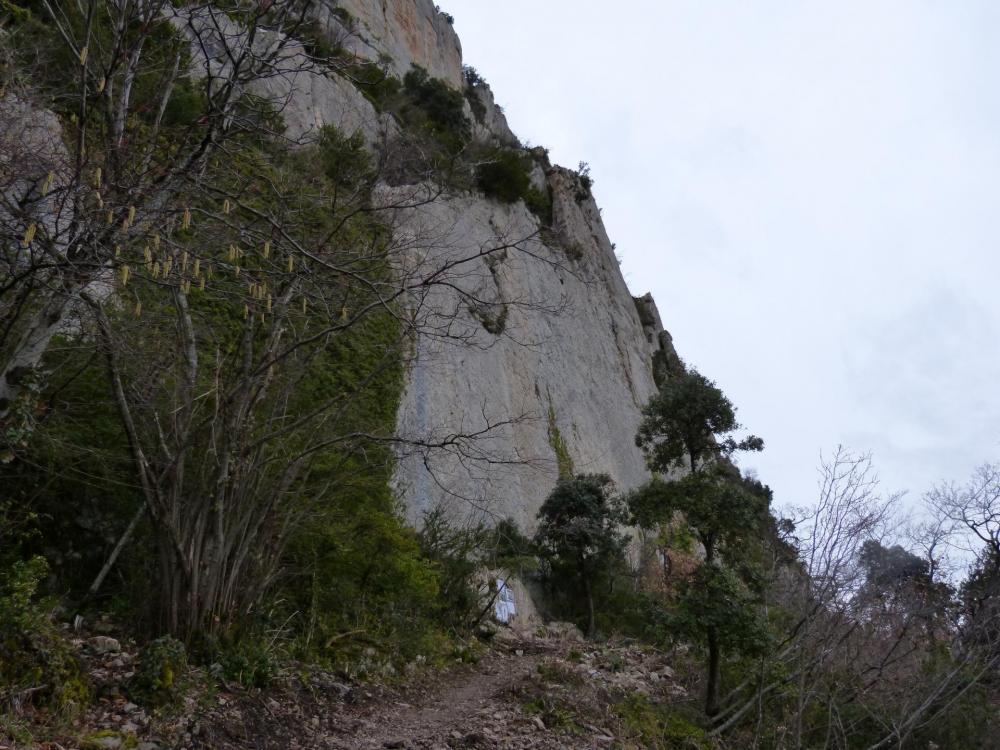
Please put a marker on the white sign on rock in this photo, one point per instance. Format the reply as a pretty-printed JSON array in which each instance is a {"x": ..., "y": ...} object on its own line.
[{"x": 504, "y": 603}]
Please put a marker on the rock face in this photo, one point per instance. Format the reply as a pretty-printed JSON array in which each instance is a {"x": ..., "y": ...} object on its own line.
[
  {"x": 564, "y": 379},
  {"x": 305, "y": 94},
  {"x": 405, "y": 32}
]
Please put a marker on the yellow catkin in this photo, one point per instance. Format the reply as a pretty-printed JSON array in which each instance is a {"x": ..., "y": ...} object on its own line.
[
  {"x": 147, "y": 254},
  {"x": 168, "y": 265},
  {"x": 196, "y": 269},
  {"x": 138, "y": 309},
  {"x": 100, "y": 200},
  {"x": 201, "y": 284},
  {"x": 156, "y": 270},
  {"x": 118, "y": 251},
  {"x": 97, "y": 178},
  {"x": 156, "y": 242},
  {"x": 246, "y": 311},
  {"x": 211, "y": 271},
  {"x": 226, "y": 206},
  {"x": 125, "y": 224},
  {"x": 125, "y": 275},
  {"x": 184, "y": 261},
  {"x": 111, "y": 217},
  {"x": 343, "y": 313},
  {"x": 291, "y": 263},
  {"x": 101, "y": 84},
  {"x": 304, "y": 305},
  {"x": 232, "y": 253},
  {"x": 269, "y": 303},
  {"x": 267, "y": 249},
  {"x": 29, "y": 234},
  {"x": 131, "y": 215},
  {"x": 237, "y": 272},
  {"x": 47, "y": 185},
  {"x": 83, "y": 55},
  {"x": 186, "y": 219}
]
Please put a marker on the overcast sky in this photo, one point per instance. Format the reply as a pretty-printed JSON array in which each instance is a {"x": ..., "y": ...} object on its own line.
[{"x": 810, "y": 190}]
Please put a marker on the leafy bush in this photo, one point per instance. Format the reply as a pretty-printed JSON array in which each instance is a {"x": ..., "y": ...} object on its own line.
[
  {"x": 659, "y": 727},
  {"x": 376, "y": 84},
  {"x": 432, "y": 105},
  {"x": 344, "y": 159},
  {"x": 505, "y": 176},
  {"x": 472, "y": 82},
  {"x": 456, "y": 554},
  {"x": 584, "y": 182},
  {"x": 250, "y": 661},
  {"x": 158, "y": 680},
  {"x": 36, "y": 662}
]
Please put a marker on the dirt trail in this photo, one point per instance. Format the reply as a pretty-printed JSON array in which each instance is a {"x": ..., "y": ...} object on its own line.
[
  {"x": 546, "y": 690},
  {"x": 473, "y": 709}
]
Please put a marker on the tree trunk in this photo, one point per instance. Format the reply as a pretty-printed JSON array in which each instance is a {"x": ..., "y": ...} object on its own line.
[
  {"x": 113, "y": 557},
  {"x": 714, "y": 674},
  {"x": 591, "y": 624}
]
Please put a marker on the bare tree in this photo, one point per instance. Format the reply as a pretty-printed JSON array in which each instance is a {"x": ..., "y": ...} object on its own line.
[
  {"x": 246, "y": 291},
  {"x": 871, "y": 624},
  {"x": 152, "y": 96}
]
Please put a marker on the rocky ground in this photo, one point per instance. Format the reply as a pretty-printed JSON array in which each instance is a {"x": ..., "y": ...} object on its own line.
[{"x": 544, "y": 690}]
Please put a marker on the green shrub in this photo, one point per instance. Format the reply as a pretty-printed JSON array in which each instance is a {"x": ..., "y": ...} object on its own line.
[
  {"x": 432, "y": 105},
  {"x": 456, "y": 553},
  {"x": 159, "y": 678},
  {"x": 375, "y": 83},
  {"x": 35, "y": 659},
  {"x": 344, "y": 159},
  {"x": 505, "y": 175},
  {"x": 252, "y": 662},
  {"x": 473, "y": 81},
  {"x": 658, "y": 727}
]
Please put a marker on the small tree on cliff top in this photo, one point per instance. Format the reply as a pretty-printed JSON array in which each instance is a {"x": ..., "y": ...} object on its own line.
[{"x": 691, "y": 420}]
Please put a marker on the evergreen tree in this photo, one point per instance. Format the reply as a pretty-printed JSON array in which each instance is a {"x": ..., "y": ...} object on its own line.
[
  {"x": 578, "y": 531},
  {"x": 688, "y": 426}
]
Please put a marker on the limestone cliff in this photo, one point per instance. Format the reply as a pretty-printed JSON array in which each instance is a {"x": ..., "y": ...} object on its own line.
[
  {"x": 400, "y": 32},
  {"x": 571, "y": 367},
  {"x": 563, "y": 358}
]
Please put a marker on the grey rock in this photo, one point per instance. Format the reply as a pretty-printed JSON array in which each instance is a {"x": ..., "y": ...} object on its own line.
[
  {"x": 110, "y": 743},
  {"x": 407, "y": 32},
  {"x": 103, "y": 644},
  {"x": 565, "y": 379},
  {"x": 493, "y": 126}
]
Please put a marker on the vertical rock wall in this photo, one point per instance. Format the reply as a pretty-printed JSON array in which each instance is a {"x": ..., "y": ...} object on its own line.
[
  {"x": 401, "y": 32},
  {"x": 570, "y": 369}
]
